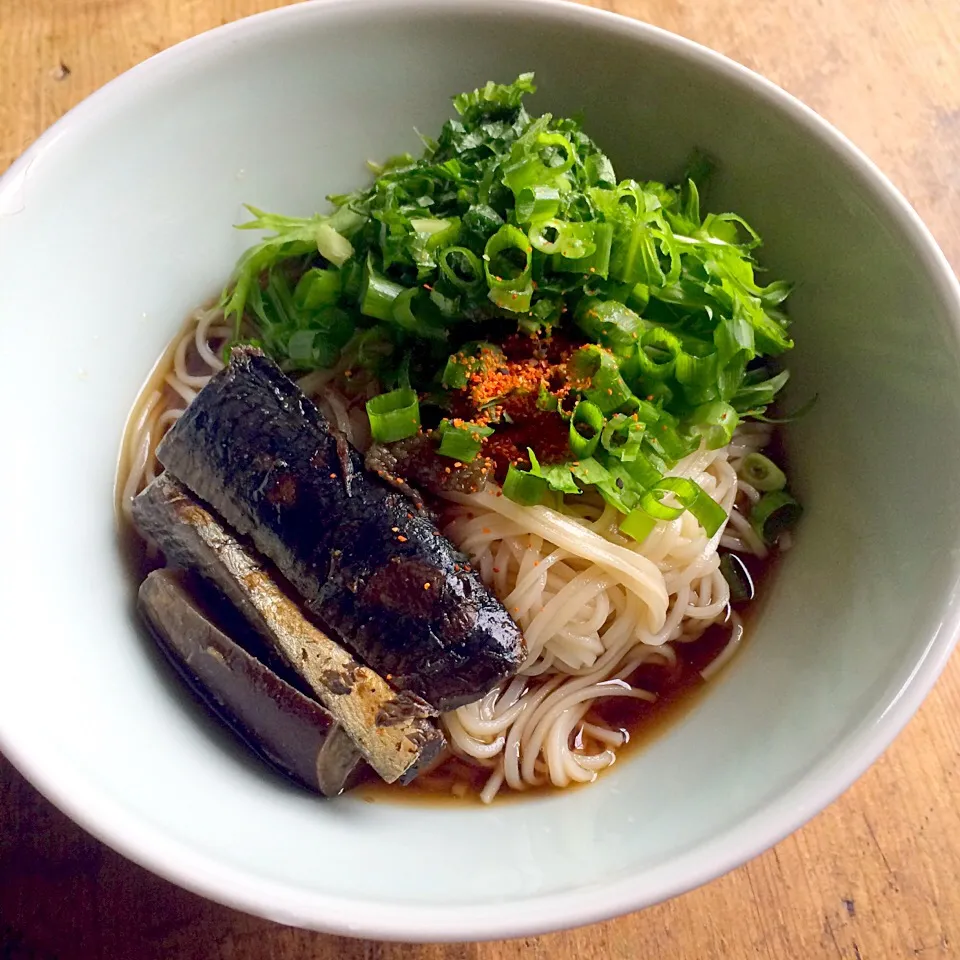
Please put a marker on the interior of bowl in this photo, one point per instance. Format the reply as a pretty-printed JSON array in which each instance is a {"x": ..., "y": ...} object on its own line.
[{"x": 120, "y": 223}]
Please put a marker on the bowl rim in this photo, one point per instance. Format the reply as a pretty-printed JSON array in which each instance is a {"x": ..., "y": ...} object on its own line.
[{"x": 838, "y": 767}]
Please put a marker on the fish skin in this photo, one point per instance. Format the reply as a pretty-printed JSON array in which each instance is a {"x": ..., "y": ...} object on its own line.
[
  {"x": 393, "y": 731},
  {"x": 291, "y": 732},
  {"x": 364, "y": 559}
]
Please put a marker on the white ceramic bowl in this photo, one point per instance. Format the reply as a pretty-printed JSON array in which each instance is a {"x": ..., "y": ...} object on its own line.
[{"x": 118, "y": 221}]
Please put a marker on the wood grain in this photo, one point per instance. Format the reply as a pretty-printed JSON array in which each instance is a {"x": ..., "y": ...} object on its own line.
[{"x": 875, "y": 875}]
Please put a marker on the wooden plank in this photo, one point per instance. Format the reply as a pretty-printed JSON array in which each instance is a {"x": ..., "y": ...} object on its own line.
[{"x": 875, "y": 875}]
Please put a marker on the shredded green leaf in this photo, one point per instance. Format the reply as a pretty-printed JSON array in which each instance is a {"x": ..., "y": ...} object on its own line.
[{"x": 517, "y": 224}]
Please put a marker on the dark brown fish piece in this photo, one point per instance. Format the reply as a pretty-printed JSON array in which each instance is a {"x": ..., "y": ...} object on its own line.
[
  {"x": 291, "y": 732},
  {"x": 394, "y": 731},
  {"x": 365, "y": 561},
  {"x": 416, "y": 461}
]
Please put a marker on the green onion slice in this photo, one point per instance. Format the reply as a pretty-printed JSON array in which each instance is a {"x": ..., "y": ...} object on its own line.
[
  {"x": 570, "y": 240},
  {"x": 377, "y": 293},
  {"x": 610, "y": 322},
  {"x": 691, "y": 496},
  {"x": 317, "y": 288},
  {"x": 538, "y": 202},
  {"x": 637, "y": 524},
  {"x": 523, "y": 487},
  {"x": 622, "y": 436},
  {"x": 599, "y": 378},
  {"x": 461, "y": 267},
  {"x": 456, "y": 374},
  {"x": 652, "y": 500},
  {"x": 644, "y": 470},
  {"x": 510, "y": 284},
  {"x": 434, "y": 233},
  {"x": 394, "y": 415},
  {"x": 715, "y": 422},
  {"x": 586, "y": 426},
  {"x": 333, "y": 246},
  {"x": 657, "y": 356},
  {"x": 762, "y": 473},
  {"x": 462, "y": 443},
  {"x": 773, "y": 515},
  {"x": 414, "y": 312},
  {"x": 459, "y": 366},
  {"x": 529, "y": 168},
  {"x": 708, "y": 513},
  {"x": 596, "y": 265}
]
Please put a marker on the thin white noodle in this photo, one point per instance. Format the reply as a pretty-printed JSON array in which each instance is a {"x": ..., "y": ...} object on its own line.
[
  {"x": 594, "y": 606},
  {"x": 636, "y": 571}
]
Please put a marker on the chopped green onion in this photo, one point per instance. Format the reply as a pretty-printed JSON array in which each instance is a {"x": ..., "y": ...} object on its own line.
[
  {"x": 587, "y": 415},
  {"x": 422, "y": 321},
  {"x": 635, "y": 258},
  {"x": 459, "y": 366},
  {"x": 646, "y": 412},
  {"x": 773, "y": 515},
  {"x": 622, "y": 436},
  {"x": 528, "y": 167},
  {"x": 536, "y": 203},
  {"x": 435, "y": 233},
  {"x": 691, "y": 496},
  {"x": 599, "y": 169},
  {"x": 738, "y": 578},
  {"x": 508, "y": 292},
  {"x": 609, "y": 322},
  {"x": 697, "y": 376},
  {"x": 643, "y": 470},
  {"x": 668, "y": 442},
  {"x": 756, "y": 391},
  {"x": 762, "y": 473},
  {"x": 570, "y": 240},
  {"x": 524, "y": 488},
  {"x": 429, "y": 235},
  {"x": 656, "y": 357},
  {"x": 589, "y": 470},
  {"x": 709, "y": 514},
  {"x": 558, "y": 476},
  {"x": 456, "y": 374},
  {"x": 546, "y": 401},
  {"x": 461, "y": 267},
  {"x": 595, "y": 265},
  {"x": 317, "y": 288},
  {"x": 652, "y": 500},
  {"x": 377, "y": 294},
  {"x": 333, "y": 246},
  {"x": 637, "y": 524},
  {"x": 517, "y": 226},
  {"x": 594, "y": 371},
  {"x": 394, "y": 415},
  {"x": 462, "y": 443},
  {"x": 715, "y": 422}
]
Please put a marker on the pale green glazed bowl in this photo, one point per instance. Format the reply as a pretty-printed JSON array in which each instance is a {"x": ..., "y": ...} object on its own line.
[{"x": 118, "y": 221}]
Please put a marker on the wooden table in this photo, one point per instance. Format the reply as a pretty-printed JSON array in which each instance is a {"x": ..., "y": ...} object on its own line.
[{"x": 874, "y": 876}]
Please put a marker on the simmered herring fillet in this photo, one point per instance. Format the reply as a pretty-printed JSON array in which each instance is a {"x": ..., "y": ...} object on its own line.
[
  {"x": 291, "y": 732},
  {"x": 363, "y": 558},
  {"x": 394, "y": 731}
]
